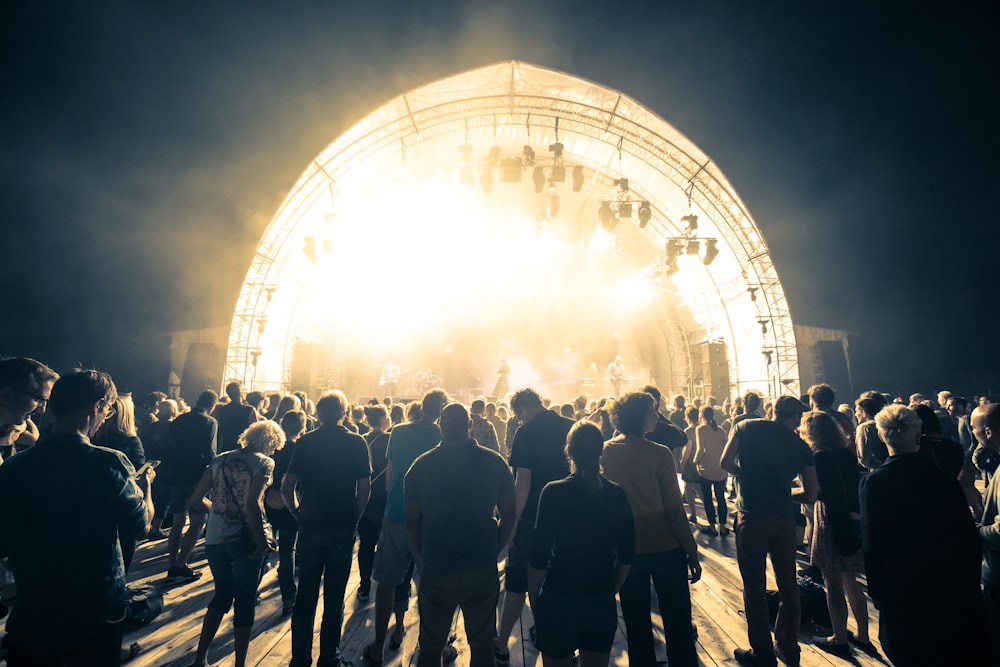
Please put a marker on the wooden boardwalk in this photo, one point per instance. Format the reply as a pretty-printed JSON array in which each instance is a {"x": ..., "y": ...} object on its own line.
[{"x": 170, "y": 640}]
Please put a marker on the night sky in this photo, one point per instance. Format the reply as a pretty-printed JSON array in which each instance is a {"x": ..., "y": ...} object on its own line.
[{"x": 145, "y": 147}]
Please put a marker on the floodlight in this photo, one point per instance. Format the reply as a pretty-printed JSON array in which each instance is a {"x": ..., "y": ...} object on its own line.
[
  {"x": 693, "y": 246},
  {"x": 753, "y": 293},
  {"x": 622, "y": 184},
  {"x": 529, "y": 155},
  {"x": 692, "y": 222},
  {"x": 625, "y": 209},
  {"x": 310, "y": 249},
  {"x": 577, "y": 178},
  {"x": 558, "y": 173},
  {"x": 711, "y": 251},
  {"x": 673, "y": 249},
  {"x": 538, "y": 178},
  {"x": 645, "y": 214},
  {"x": 261, "y": 323},
  {"x": 557, "y": 150},
  {"x": 763, "y": 326},
  {"x": 768, "y": 356},
  {"x": 486, "y": 180},
  {"x": 607, "y": 216},
  {"x": 510, "y": 170}
]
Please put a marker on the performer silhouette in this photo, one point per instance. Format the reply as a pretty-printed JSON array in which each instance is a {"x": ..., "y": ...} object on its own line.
[
  {"x": 503, "y": 379},
  {"x": 389, "y": 380},
  {"x": 616, "y": 373}
]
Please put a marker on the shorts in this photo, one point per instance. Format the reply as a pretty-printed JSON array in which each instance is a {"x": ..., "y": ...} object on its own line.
[
  {"x": 179, "y": 499},
  {"x": 565, "y": 623},
  {"x": 516, "y": 574},
  {"x": 393, "y": 553}
]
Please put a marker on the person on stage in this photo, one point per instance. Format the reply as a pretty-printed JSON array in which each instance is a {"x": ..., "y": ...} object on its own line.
[
  {"x": 503, "y": 379},
  {"x": 616, "y": 373},
  {"x": 389, "y": 381}
]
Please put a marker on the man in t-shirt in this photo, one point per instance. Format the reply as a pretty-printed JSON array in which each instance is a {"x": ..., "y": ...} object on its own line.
[
  {"x": 452, "y": 494},
  {"x": 482, "y": 430},
  {"x": 538, "y": 457},
  {"x": 766, "y": 457},
  {"x": 70, "y": 605},
  {"x": 233, "y": 417},
  {"x": 331, "y": 467},
  {"x": 394, "y": 552},
  {"x": 191, "y": 446}
]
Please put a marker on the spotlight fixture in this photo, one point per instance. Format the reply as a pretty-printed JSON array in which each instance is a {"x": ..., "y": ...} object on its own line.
[
  {"x": 557, "y": 150},
  {"x": 625, "y": 209},
  {"x": 645, "y": 214},
  {"x": 270, "y": 290},
  {"x": 261, "y": 323},
  {"x": 607, "y": 216},
  {"x": 510, "y": 170},
  {"x": 558, "y": 173},
  {"x": 538, "y": 178},
  {"x": 693, "y": 247},
  {"x": 486, "y": 180},
  {"x": 711, "y": 251},
  {"x": 768, "y": 356},
  {"x": 692, "y": 222},
  {"x": 255, "y": 355},
  {"x": 673, "y": 250},
  {"x": 310, "y": 249},
  {"x": 753, "y": 293},
  {"x": 763, "y": 326},
  {"x": 577, "y": 178},
  {"x": 493, "y": 158},
  {"x": 622, "y": 184},
  {"x": 529, "y": 156}
]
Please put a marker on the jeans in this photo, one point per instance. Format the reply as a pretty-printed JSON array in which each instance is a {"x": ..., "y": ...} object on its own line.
[
  {"x": 368, "y": 532},
  {"x": 236, "y": 578},
  {"x": 476, "y": 592},
  {"x": 707, "y": 486},
  {"x": 286, "y": 565},
  {"x": 322, "y": 556},
  {"x": 758, "y": 536},
  {"x": 668, "y": 570}
]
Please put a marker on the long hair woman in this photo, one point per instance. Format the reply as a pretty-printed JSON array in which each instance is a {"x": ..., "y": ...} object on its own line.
[
  {"x": 584, "y": 542},
  {"x": 710, "y": 440},
  {"x": 237, "y": 480},
  {"x": 836, "y": 548}
]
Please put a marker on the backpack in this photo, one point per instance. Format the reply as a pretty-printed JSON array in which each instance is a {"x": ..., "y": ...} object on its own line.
[
  {"x": 814, "y": 609},
  {"x": 142, "y": 604}
]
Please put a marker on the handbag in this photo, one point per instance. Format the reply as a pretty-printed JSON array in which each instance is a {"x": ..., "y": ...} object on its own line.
[{"x": 246, "y": 541}]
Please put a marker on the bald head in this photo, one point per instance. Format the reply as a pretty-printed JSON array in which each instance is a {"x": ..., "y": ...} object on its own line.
[
  {"x": 985, "y": 423},
  {"x": 454, "y": 422}
]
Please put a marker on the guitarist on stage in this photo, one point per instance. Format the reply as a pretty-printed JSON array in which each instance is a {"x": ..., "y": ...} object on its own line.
[{"x": 390, "y": 377}]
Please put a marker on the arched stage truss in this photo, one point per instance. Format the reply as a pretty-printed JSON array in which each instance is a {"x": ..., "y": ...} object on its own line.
[{"x": 735, "y": 299}]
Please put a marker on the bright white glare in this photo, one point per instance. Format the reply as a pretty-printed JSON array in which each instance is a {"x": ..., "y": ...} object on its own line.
[{"x": 635, "y": 291}]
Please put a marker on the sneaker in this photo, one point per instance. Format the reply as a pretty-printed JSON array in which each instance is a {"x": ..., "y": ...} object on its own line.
[
  {"x": 723, "y": 530},
  {"x": 867, "y": 647},
  {"x": 784, "y": 658},
  {"x": 709, "y": 530},
  {"x": 183, "y": 573},
  {"x": 156, "y": 535},
  {"x": 745, "y": 657}
]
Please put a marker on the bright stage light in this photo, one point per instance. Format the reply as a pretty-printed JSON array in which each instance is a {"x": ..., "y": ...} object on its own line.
[{"x": 635, "y": 291}]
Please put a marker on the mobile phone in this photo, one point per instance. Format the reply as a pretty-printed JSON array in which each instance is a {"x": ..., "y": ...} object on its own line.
[{"x": 146, "y": 466}]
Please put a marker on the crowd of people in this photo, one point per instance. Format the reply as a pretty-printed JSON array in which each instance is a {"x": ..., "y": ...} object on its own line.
[{"x": 593, "y": 501}]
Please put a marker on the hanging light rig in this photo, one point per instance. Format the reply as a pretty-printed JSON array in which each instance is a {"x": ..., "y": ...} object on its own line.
[
  {"x": 622, "y": 205},
  {"x": 689, "y": 243}
]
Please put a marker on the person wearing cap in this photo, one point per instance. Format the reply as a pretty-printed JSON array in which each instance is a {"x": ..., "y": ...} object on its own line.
[{"x": 766, "y": 457}]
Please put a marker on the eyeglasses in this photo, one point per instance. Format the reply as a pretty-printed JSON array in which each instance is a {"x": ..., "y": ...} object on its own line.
[{"x": 40, "y": 399}]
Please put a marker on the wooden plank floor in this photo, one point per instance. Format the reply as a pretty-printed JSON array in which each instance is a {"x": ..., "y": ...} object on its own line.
[{"x": 171, "y": 639}]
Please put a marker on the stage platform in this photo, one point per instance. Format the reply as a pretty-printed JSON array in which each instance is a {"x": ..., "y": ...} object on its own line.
[{"x": 171, "y": 639}]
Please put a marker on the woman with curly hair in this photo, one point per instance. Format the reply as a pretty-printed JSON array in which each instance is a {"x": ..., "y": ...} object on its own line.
[{"x": 237, "y": 479}]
